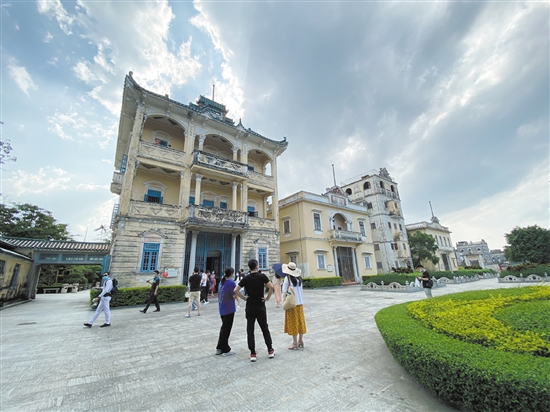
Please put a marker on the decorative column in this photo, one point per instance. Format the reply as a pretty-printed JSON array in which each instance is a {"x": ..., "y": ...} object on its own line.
[
  {"x": 244, "y": 196},
  {"x": 335, "y": 257},
  {"x": 233, "y": 250},
  {"x": 192, "y": 253},
  {"x": 235, "y": 153},
  {"x": 202, "y": 138},
  {"x": 198, "y": 179},
  {"x": 355, "y": 267},
  {"x": 185, "y": 189},
  {"x": 275, "y": 198},
  {"x": 234, "y": 196},
  {"x": 131, "y": 167}
]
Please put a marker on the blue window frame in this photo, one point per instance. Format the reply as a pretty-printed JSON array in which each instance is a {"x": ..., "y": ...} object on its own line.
[
  {"x": 262, "y": 258},
  {"x": 153, "y": 196},
  {"x": 191, "y": 200},
  {"x": 252, "y": 211},
  {"x": 223, "y": 205},
  {"x": 149, "y": 260},
  {"x": 208, "y": 203},
  {"x": 250, "y": 168}
]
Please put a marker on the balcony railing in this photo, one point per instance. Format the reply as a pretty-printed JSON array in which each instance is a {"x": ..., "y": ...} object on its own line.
[
  {"x": 261, "y": 179},
  {"x": 216, "y": 217},
  {"x": 156, "y": 152},
  {"x": 219, "y": 163},
  {"x": 261, "y": 223},
  {"x": 379, "y": 190},
  {"x": 154, "y": 210},
  {"x": 345, "y": 235}
]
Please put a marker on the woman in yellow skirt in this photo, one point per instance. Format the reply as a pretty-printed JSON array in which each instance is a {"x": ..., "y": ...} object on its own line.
[{"x": 295, "y": 322}]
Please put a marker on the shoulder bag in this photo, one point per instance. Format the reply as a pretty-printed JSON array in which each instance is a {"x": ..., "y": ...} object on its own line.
[{"x": 290, "y": 299}]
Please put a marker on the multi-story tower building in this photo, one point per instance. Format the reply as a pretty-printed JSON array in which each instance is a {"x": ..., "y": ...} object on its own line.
[
  {"x": 445, "y": 251},
  {"x": 194, "y": 189},
  {"x": 378, "y": 192},
  {"x": 326, "y": 235}
]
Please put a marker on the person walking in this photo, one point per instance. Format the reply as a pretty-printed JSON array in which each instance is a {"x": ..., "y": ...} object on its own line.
[
  {"x": 153, "y": 294},
  {"x": 277, "y": 289},
  {"x": 255, "y": 283},
  {"x": 226, "y": 306},
  {"x": 104, "y": 300},
  {"x": 204, "y": 287},
  {"x": 295, "y": 321},
  {"x": 212, "y": 283},
  {"x": 194, "y": 292},
  {"x": 427, "y": 282}
]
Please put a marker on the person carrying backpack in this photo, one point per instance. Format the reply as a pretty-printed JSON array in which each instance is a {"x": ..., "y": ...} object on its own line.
[
  {"x": 426, "y": 279},
  {"x": 104, "y": 299}
]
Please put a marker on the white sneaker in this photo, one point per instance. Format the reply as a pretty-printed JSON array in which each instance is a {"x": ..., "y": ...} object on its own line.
[
  {"x": 206, "y": 303},
  {"x": 228, "y": 353},
  {"x": 252, "y": 357}
]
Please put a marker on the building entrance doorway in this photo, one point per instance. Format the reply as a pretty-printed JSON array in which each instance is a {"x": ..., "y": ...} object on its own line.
[
  {"x": 214, "y": 263},
  {"x": 445, "y": 261},
  {"x": 345, "y": 264}
]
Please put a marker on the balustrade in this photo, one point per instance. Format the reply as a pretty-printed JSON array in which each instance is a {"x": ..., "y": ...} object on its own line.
[
  {"x": 156, "y": 152},
  {"x": 146, "y": 209},
  {"x": 345, "y": 235}
]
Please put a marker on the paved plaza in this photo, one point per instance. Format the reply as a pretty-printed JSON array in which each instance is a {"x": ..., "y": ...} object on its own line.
[{"x": 165, "y": 362}]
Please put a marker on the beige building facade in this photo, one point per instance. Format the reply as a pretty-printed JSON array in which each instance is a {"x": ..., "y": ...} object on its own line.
[
  {"x": 194, "y": 188},
  {"x": 442, "y": 236},
  {"x": 326, "y": 235}
]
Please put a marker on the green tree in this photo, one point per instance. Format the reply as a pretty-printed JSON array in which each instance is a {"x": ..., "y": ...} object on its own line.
[
  {"x": 5, "y": 152},
  {"x": 528, "y": 244},
  {"x": 30, "y": 221},
  {"x": 422, "y": 247}
]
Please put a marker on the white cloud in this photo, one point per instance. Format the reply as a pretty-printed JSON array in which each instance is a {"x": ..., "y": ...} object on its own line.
[
  {"x": 20, "y": 76},
  {"x": 76, "y": 126},
  {"x": 54, "y": 8},
  {"x": 48, "y": 38},
  {"x": 142, "y": 45},
  {"x": 47, "y": 179},
  {"x": 525, "y": 205}
]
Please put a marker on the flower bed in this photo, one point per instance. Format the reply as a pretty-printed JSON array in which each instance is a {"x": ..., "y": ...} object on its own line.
[{"x": 471, "y": 350}]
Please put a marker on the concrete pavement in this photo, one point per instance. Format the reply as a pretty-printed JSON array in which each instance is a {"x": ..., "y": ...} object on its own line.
[{"x": 165, "y": 362}]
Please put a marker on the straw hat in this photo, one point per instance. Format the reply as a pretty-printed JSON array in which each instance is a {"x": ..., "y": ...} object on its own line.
[{"x": 291, "y": 269}]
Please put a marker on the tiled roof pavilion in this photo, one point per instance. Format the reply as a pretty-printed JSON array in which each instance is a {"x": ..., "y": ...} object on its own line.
[{"x": 56, "y": 245}]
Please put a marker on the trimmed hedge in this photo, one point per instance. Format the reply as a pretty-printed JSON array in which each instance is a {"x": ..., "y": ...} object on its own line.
[
  {"x": 139, "y": 295},
  {"x": 401, "y": 278},
  {"x": 526, "y": 271},
  {"x": 313, "y": 283},
  {"x": 466, "y": 375}
]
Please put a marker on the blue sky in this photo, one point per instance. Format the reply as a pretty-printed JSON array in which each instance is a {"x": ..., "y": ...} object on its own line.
[{"x": 451, "y": 97}]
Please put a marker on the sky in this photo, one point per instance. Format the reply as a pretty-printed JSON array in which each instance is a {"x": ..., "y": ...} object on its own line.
[{"x": 452, "y": 98}]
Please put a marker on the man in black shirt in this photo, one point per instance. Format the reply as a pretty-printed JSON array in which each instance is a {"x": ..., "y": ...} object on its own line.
[
  {"x": 194, "y": 284},
  {"x": 255, "y": 284},
  {"x": 154, "y": 292},
  {"x": 425, "y": 278}
]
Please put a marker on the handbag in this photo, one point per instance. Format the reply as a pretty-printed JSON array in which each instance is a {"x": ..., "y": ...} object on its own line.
[
  {"x": 290, "y": 299},
  {"x": 187, "y": 294}
]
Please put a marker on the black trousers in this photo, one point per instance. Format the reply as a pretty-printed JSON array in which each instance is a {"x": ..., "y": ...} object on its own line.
[
  {"x": 204, "y": 293},
  {"x": 152, "y": 299},
  {"x": 225, "y": 331},
  {"x": 259, "y": 314}
]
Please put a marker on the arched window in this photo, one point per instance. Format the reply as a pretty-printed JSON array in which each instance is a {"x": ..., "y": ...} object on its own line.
[
  {"x": 392, "y": 188},
  {"x": 366, "y": 185},
  {"x": 348, "y": 191},
  {"x": 382, "y": 184}
]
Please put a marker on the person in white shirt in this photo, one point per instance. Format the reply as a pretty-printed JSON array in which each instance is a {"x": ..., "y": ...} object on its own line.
[
  {"x": 295, "y": 321},
  {"x": 104, "y": 300}
]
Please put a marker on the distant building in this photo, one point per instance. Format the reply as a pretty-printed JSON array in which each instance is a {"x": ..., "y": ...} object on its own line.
[
  {"x": 497, "y": 257},
  {"x": 327, "y": 235},
  {"x": 442, "y": 236},
  {"x": 193, "y": 189},
  {"x": 377, "y": 191},
  {"x": 473, "y": 253},
  {"x": 16, "y": 275}
]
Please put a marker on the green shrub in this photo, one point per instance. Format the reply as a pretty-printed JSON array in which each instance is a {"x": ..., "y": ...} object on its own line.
[
  {"x": 313, "y": 283},
  {"x": 526, "y": 271},
  {"x": 466, "y": 375},
  {"x": 139, "y": 295}
]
